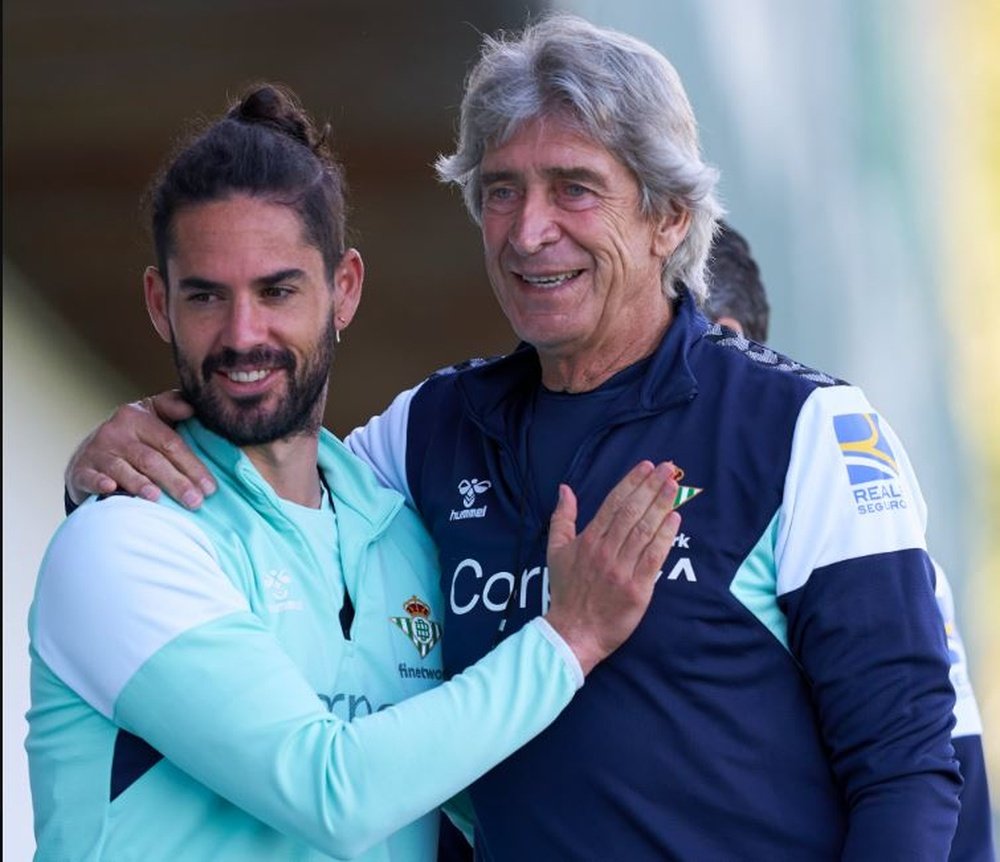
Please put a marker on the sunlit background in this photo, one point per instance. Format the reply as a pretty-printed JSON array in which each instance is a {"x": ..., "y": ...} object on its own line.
[{"x": 859, "y": 145}]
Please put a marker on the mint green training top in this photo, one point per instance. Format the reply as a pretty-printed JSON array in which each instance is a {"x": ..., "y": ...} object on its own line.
[{"x": 195, "y": 698}]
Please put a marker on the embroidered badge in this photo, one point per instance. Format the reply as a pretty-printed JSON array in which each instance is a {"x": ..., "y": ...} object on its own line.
[
  {"x": 423, "y": 632},
  {"x": 684, "y": 492}
]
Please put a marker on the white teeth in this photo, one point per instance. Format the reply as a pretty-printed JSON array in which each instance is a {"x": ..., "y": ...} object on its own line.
[
  {"x": 247, "y": 376},
  {"x": 551, "y": 280}
]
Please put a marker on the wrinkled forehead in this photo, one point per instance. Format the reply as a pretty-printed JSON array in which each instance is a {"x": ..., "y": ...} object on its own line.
[
  {"x": 554, "y": 147},
  {"x": 558, "y": 120}
]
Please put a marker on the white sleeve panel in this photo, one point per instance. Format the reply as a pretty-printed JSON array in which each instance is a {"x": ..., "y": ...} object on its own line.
[
  {"x": 121, "y": 578},
  {"x": 849, "y": 492},
  {"x": 967, "y": 718},
  {"x": 381, "y": 443}
]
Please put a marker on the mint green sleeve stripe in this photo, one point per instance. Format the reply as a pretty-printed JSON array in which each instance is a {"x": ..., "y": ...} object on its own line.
[
  {"x": 460, "y": 812},
  {"x": 227, "y": 705}
]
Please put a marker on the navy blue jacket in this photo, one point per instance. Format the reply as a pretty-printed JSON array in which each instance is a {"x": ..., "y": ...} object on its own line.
[{"x": 787, "y": 694}]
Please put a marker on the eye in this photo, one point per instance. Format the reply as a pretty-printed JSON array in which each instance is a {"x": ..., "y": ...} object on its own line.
[
  {"x": 575, "y": 195},
  {"x": 277, "y": 291},
  {"x": 500, "y": 198},
  {"x": 201, "y": 297}
]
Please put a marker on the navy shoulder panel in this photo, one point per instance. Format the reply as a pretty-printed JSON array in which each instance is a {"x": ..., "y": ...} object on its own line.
[
  {"x": 464, "y": 365},
  {"x": 764, "y": 356},
  {"x": 71, "y": 507}
]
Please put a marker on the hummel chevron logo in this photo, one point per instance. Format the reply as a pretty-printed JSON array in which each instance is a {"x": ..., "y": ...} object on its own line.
[{"x": 469, "y": 489}]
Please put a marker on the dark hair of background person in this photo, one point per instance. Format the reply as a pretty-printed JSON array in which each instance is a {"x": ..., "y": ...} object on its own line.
[
  {"x": 266, "y": 146},
  {"x": 735, "y": 288}
]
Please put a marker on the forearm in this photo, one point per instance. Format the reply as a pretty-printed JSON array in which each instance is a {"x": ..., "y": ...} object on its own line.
[
  {"x": 868, "y": 635},
  {"x": 255, "y": 734},
  {"x": 910, "y": 817}
]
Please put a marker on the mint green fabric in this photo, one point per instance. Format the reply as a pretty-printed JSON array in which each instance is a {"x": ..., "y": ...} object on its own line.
[{"x": 280, "y": 738}]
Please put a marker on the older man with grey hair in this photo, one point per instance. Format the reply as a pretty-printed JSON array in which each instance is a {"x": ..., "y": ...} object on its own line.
[{"x": 787, "y": 694}]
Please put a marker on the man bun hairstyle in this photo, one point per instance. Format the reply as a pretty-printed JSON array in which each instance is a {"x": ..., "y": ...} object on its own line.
[
  {"x": 618, "y": 91},
  {"x": 265, "y": 146}
]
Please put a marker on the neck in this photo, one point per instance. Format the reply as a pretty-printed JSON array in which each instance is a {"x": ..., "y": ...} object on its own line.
[
  {"x": 584, "y": 369},
  {"x": 289, "y": 466}
]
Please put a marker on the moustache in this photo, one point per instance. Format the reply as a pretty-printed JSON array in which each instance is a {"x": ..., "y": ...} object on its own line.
[{"x": 238, "y": 360}]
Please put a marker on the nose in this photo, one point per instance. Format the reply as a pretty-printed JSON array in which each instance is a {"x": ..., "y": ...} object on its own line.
[
  {"x": 245, "y": 324},
  {"x": 536, "y": 224}
]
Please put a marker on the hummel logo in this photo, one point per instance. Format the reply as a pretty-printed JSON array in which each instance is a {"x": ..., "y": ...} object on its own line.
[
  {"x": 468, "y": 488},
  {"x": 278, "y": 584}
]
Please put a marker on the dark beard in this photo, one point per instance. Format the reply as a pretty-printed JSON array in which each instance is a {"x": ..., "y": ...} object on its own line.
[{"x": 245, "y": 423}]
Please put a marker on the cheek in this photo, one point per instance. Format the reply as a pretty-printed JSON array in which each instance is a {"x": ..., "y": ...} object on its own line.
[
  {"x": 193, "y": 336},
  {"x": 626, "y": 245},
  {"x": 494, "y": 234}
]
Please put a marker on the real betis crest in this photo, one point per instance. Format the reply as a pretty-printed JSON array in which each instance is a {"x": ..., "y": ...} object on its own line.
[
  {"x": 684, "y": 492},
  {"x": 422, "y": 632}
]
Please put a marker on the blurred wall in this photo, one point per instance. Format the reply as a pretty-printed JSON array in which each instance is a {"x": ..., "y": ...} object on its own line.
[{"x": 54, "y": 391}]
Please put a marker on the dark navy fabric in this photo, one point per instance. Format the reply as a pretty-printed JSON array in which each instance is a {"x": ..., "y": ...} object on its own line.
[
  {"x": 133, "y": 758},
  {"x": 703, "y": 737},
  {"x": 973, "y": 840}
]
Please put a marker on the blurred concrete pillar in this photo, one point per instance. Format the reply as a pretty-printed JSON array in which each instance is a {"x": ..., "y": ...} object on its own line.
[{"x": 53, "y": 393}]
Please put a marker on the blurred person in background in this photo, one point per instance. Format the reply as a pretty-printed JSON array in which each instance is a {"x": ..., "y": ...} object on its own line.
[
  {"x": 736, "y": 295},
  {"x": 260, "y": 679},
  {"x": 787, "y": 695}
]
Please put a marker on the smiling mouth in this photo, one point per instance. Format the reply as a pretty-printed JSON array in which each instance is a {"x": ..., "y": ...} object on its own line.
[
  {"x": 248, "y": 376},
  {"x": 550, "y": 281}
]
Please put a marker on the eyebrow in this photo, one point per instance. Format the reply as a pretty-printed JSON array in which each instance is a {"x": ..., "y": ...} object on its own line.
[
  {"x": 195, "y": 282},
  {"x": 586, "y": 175},
  {"x": 590, "y": 177},
  {"x": 491, "y": 177}
]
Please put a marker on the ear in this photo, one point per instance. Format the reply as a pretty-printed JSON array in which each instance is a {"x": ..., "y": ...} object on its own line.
[
  {"x": 155, "y": 289},
  {"x": 347, "y": 283},
  {"x": 669, "y": 231}
]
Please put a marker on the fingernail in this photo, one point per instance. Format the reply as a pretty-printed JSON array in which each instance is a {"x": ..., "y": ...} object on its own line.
[
  {"x": 149, "y": 492},
  {"x": 191, "y": 499},
  {"x": 208, "y": 486}
]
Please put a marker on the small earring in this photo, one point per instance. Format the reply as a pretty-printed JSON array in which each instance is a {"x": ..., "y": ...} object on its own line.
[{"x": 336, "y": 336}]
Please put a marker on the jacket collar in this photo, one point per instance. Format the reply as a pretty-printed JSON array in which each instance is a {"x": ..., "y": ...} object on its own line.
[
  {"x": 495, "y": 392},
  {"x": 356, "y": 492}
]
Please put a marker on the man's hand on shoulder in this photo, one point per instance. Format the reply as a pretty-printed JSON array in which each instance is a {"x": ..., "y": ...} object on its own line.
[{"x": 138, "y": 452}]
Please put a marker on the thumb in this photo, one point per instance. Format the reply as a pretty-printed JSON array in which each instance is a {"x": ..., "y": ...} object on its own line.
[
  {"x": 562, "y": 527},
  {"x": 171, "y": 406}
]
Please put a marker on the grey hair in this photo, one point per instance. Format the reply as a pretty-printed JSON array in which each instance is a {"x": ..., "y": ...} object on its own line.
[{"x": 621, "y": 93}]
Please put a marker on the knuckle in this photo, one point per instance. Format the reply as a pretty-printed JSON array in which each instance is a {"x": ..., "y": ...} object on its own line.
[
  {"x": 644, "y": 530},
  {"x": 123, "y": 413},
  {"x": 652, "y": 557},
  {"x": 146, "y": 460},
  {"x": 629, "y": 511},
  {"x": 603, "y": 559}
]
